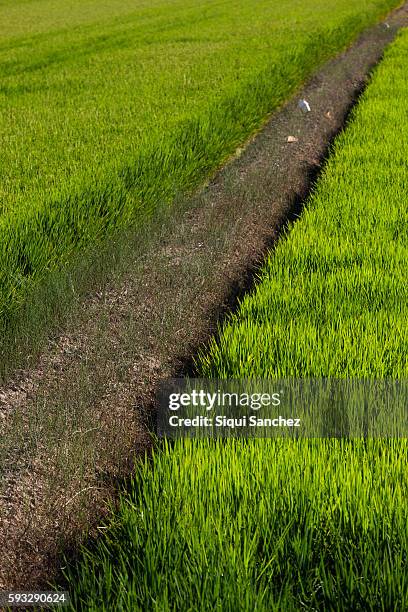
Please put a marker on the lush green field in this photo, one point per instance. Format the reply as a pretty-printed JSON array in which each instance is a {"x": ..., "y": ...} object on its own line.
[
  {"x": 257, "y": 526},
  {"x": 283, "y": 525},
  {"x": 109, "y": 109}
]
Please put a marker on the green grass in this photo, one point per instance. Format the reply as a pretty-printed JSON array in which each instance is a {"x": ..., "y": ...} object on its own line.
[
  {"x": 109, "y": 109},
  {"x": 332, "y": 300},
  {"x": 256, "y": 526},
  {"x": 283, "y": 525}
]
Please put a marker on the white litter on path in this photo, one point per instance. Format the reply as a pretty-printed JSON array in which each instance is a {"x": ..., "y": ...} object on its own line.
[
  {"x": 293, "y": 139},
  {"x": 304, "y": 106}
]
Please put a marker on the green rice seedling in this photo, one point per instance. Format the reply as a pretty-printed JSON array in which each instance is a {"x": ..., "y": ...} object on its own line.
[
  {"x": 332, "y": 298},
  {"x": 109, "y": 110},
  {"x": 264, "y": 525},
  {"x": 290, "y": 524}
]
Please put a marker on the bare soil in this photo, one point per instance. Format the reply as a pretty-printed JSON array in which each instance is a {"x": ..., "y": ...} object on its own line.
[{"x": 72, "y": 426}]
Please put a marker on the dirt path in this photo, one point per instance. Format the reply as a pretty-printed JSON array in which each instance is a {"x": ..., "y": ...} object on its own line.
[{"x": 72, "y": 426}]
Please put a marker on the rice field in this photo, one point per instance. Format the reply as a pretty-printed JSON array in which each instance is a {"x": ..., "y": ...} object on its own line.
[
  {"x": 266, "y": 525},
  {"x": 275, "y": 524},
  {"x": 111, "y": 109}
]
